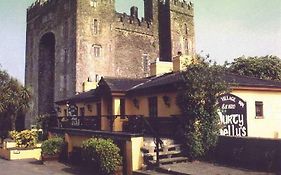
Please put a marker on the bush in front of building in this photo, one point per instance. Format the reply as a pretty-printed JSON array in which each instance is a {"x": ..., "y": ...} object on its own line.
[
  {"x": 25, "y": 138},
  {"x": 197, "y": 99},
  {"x": 52, "y": 146},
  {"x": 102, "y": 154}
]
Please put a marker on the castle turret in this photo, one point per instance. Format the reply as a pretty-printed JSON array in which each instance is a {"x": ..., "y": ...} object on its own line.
[
  {"x": 173, "y": 27},
  {"x": 182, "y": 27}
]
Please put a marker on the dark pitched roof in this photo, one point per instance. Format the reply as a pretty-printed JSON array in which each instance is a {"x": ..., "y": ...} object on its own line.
[
  {"x": 122, "y": 84},
  {"x": 79, "y": 97},
  {"x": 241, "y": 80},
  {"x": 134, "y": 85},
  {"x": 233, "y": 79},
  {"x": 155, "y": 81}
]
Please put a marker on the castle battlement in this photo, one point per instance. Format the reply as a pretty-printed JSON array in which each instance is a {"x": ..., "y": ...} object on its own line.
[
  {"x": 182, "y": 3},
  {"x": 182, "y": 6},
  {"x": 39, "y": 6},
  {"x": 130, "y": 23}
]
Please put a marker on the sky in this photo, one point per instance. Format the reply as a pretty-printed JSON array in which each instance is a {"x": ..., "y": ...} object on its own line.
[{"x": 224, "y": 29}]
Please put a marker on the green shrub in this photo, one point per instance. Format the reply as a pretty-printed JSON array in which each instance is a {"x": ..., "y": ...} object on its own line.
[
  {"x": 13, "y": 134},
  {"x": 52, "y": 146},
  {"x": 103, "y": 154},
  {"x": 25, "y": 138}
]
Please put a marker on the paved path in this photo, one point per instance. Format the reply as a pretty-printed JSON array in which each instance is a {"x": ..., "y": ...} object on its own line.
[
  {"x": 34, "y": 167},
  {"x": 202, "y": 168}
]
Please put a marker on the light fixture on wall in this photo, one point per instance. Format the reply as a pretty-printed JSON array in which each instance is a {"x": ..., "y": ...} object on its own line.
[
  {"x": 136, "y": 103},
  {"x": 167, "y": 100},
  {"x": 89, "y": 107}
]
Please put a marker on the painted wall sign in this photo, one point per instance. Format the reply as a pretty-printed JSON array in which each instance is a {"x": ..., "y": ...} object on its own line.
[{"x": 233, "y": 115}]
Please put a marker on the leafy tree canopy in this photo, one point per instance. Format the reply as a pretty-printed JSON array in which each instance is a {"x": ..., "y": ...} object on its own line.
[
  {"x": 197, "y": 99},
  {"x": 14, "y": 98},
  {"x": 264, "y": 67}
]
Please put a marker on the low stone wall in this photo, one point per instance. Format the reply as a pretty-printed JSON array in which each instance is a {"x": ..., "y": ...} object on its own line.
[
  {"x": 129, "y": 144},
  {"x": 252, "y": 153},
  {"x": 10, "y": 152},
  {"x": 19, "y": 154}
]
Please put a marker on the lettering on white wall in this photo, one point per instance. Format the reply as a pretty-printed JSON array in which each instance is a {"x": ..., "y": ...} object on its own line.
[{"x": 233, "y": 115}]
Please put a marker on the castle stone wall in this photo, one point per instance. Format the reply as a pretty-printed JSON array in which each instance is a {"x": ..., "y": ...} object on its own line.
[
  {"x": 93, "y": 40},
  {"x": 56, "y": 17}
]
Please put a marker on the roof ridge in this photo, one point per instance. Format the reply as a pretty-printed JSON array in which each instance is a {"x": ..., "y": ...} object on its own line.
[
  {"x": 138, "y": 85},
  {"x": 127, "y": 78},
  {"x": 247, "y": 76}
]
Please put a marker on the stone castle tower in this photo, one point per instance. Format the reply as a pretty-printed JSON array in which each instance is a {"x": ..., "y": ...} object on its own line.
[{"x": 68, "y": 41}]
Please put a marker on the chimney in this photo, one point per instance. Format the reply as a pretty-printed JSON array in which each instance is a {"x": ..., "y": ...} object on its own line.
[
  {"x": 181, "y": 61},
  {"x": 134, "y": 12},
  {"x": 89, "y": 85},
  {"x": 160, "y": 67}
]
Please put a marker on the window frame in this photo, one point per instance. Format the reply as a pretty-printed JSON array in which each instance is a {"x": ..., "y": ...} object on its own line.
[
  {"x": 259, "y": 110},
  {"x": 153, "y": 106},
  {"x": 97, "y": 50},
  {"x": 95, "y": 26},
  {"x": 82, "y": 111}
]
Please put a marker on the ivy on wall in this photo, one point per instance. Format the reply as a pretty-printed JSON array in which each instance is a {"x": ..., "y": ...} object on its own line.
[{"x": 197, "y": 99}]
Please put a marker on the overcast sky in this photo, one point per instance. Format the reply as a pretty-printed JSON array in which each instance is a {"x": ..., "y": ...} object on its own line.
[{"x": 225, "y": 29}]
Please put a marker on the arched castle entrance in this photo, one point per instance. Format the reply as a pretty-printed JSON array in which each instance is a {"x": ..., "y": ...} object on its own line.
[{"x": 46, "y": 73}]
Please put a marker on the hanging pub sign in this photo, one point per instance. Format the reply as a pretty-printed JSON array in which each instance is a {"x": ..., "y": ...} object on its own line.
[{"x": 233, "y": 115}]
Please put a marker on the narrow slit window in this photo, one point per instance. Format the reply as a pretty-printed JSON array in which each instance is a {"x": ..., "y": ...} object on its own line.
[{"x": 95, "y": 27}]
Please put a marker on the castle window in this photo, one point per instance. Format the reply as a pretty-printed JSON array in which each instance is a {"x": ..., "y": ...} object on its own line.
[
  {"x": 97, "y": 50},
  {"x": 186, "y": 29},
  {"x": 93, "y": 3},
  {"x": 186, "y": 44},
  {"x": 95, "y": 27},
  {"x": 62, "y": 83},
  {"x": 145, "y": 63}
]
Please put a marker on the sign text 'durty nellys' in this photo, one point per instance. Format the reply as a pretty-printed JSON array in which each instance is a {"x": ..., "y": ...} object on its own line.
[{"x": 233, "y": 115}]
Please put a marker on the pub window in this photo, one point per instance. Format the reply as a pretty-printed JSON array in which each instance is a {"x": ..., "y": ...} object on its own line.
[
  {"x": 82, "y": 111},
  {"x": 152, "y": 106},
  {"x": 259, "y": 109},
  {"x": 97, "y": 50}
]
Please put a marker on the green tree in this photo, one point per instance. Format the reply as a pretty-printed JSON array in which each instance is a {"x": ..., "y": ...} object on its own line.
[
  {"x": 14, "y": 98},
  {"x": 264, "y": 67},
  {"x": 197, "y": 99}
]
